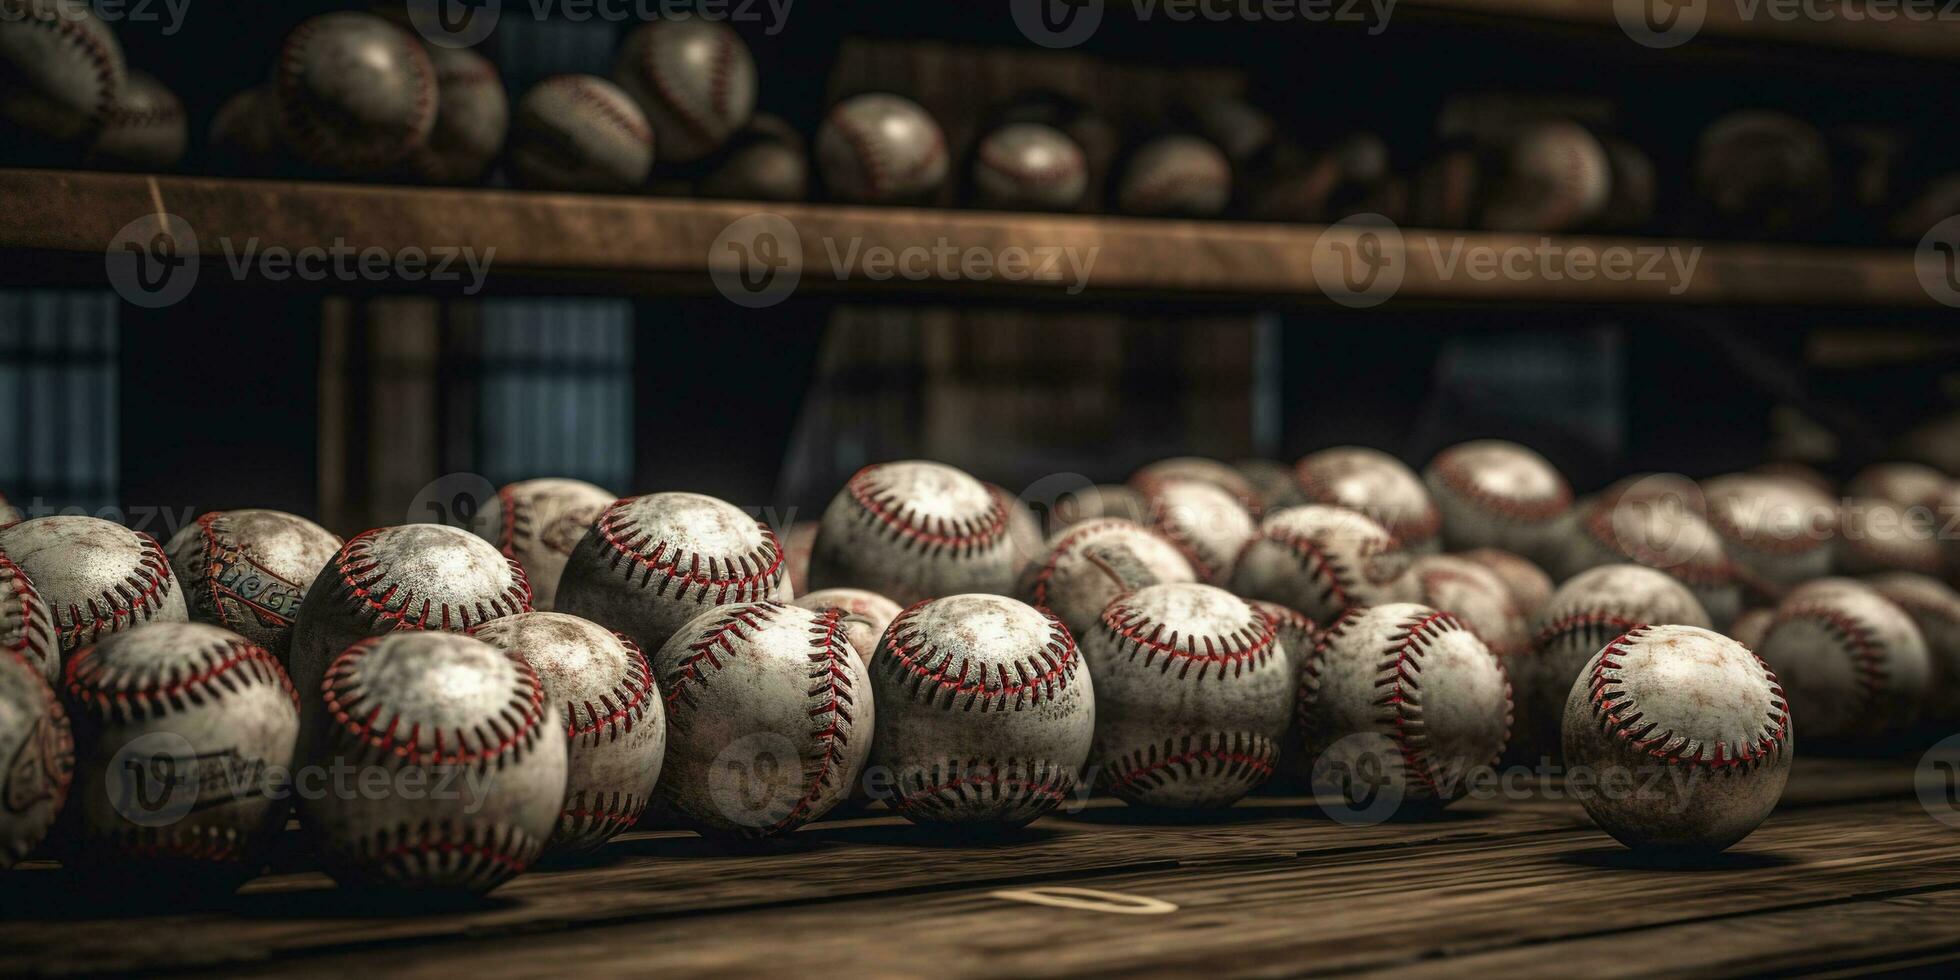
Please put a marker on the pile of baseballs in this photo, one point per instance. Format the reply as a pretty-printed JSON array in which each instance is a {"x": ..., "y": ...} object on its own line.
[{"x": 932, "y": 646}]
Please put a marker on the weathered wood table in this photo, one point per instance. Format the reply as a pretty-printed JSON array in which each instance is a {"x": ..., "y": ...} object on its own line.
[{"x": 1851, "y": 874}]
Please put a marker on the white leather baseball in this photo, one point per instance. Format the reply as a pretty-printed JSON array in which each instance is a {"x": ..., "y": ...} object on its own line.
[
  {"x": 353, "y": 93},
  {"x": 1777, "y": 530},
  {"x": 61, "y": 69},
  {"x": 1530, "y": 587},
  {"x": 1616, "y": 528},
  {"x": 695, "y": 80},
  {"x": 538, "y": 523},
  {"x": 1029, "y": 166},
  {"x": 914, "y": 530},
  {"x": 97, "y": 578},
  {"x": 1202, "y": 469},
  {"x": 1428, "y": 700},
  {"x": 26, "y": 622},
  {"x": 1476, "y": 596},
  {"x": 472, "y": 118},
  {"x": 652, "y": 563},
  {"x": 1555, "y": 176},
  {"x": 242, "y": 139},
  {"x": 1376, "y": 484},
  {"x": 1175, "y": 176},
  {"x": 879, "y": 147},
  {"x": 1323, "y": 561},
  {"x": 1090, "y": 564},
  {"x": 867, "y": 615},
  {"x": 1496, "y": 494},
  {"x": 183, "y": 732},
  {"x": 985, "y": 712},
  {"x": 1877, "y": 535},
  {"x": 1686, "y": 736},
  {"x": 770, "y": 718},
  {"x": 1935, "y": 609},
  {"x": 1855, "y": 666},
  {"x": 146, "y": 130},
  {"x": 1193, "y": 696},
  {"x": 1273, "y": 483},
  {"x": 1208, "y": 524},
  {"x": 1585, "y": 614},
  {"x": 580, "y": 133},
  {"x": 465, "y": 723},
  {"x": 248, "y": 571},
  {"x": 37, "y": 759},
  {"x": 612, "y": 715}
]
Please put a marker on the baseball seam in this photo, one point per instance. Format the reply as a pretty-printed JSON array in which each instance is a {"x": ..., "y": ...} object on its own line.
[
  {"x": 950, "y": 786},
  {"x": 590, "y": 819},
  {"x": 1855, "y": 636},
  {"x": 302, "y": 125},
  {"x": 515, "y": 518},
  {"x": 360, "y": 571},
  {"x": 583, "y": 92},
  {"x": 1455, "y": 474},
  {"x": 1616, "y": 715},
  {"x": 618, "y": 710},
  {"x": 70, "y": 31},
  {"x": 1044, "y": 574},
  {"x": 1572, "y": 623},
  {"x": 1759, "y": 541},
  {"x": 963, "y": 536},
  {"x": 140, "y": 595},
  {"x": 35, "y": 641},
  {"x": 1409, "y": 530},
  {"x": 182, "y": 842},
  {"x": 715, "y": 642},
  {"x": 1039, "y": 677},
  {"x": 1243, "y": 756},
  {"x": 1071, "y": 165},
  {"x": 440, "y": 852},
  {"x": 743, "y": 578},
  {"x": 219, "y": 669},
  {"x": 1135, "y": 632},
  {"x": 1156, "y": 193},
  {"x": 832, "y": 700},
  {"x": 1695, "y": 570},
  {"x": 504, "y": 738}
]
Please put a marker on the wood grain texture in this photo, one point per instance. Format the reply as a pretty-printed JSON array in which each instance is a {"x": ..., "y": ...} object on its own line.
[{"x": 650, "y": 244}]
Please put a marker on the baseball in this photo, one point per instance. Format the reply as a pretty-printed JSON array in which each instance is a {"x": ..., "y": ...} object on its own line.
[
  {"x": 694, "y": 79},
  {"x": 61, "y": 69},
  {"x": 1881, "y": 536},
  {"x": 1376, "y": 484},
  {"x": 1749, "y": 628},
  {"x": 97, "y": 578},
  {"x": 1530, "y": 587},
  {"x": 1175, "y": 176},
  {"x": 579, "y": 133},
  {"x": 1428, "y": 700},
  {"x": 798, "y": 542},
  {"x": 1935, "y": 609},
  {"x": 1554, "y": 176},
  {"x": 145, "y": 130},
  {"x": 26, "y": 622},
  {"x": 183, "y": 734},
  {"x": 1208, "y": 524},
  {"x": 769, "y": 716},
  {"x": 1633, "y": 186},
  {"x": 1298, "y": 635},
  {"x": 652, "y": 563},
  {"x": 248, "y": 571},
  {"x": 1088, "y": 565},
  {"x": 472, "y": 118},
  {"x": 1657, "y": 533},
  {"x": 985, "y": 712},
  {"x": 766, "y": 161},
  {"x": 1701, "y": 708},
  {"x": 537, "y": 523},
  {"x": 1496, "y": 494},
  {"x": 1584, "y": 615},
  {"x": 1023, "y": 527},
  {"x": 1029, "y": 167},
  {"x": 1192, "y": 696},
  {"x": 1777, "y": 530},
  {"x": 611, "y": 711},
  {"x": 1099, "y": 501},
  {"x": 880, "y": 148},
  {"x": 1768, "y": 168},
  {"x": 915, "y": 530},
  {"x": 1854, "y": 664},
  {"x": 353, "y": 93},
  {"x": 1273, "y": 483},
  {"x": 867, "y": 615},
  {"x": 408, "y": 578},
  {"x": 1323, "y": 561},
  {"x": 1220, "y": 475},
  {"x": 467, "y": 722},
  {"x": 242, "y": 139},
  {"x": 39, "y": 751},
  {"x": 1474, "y": 595}
]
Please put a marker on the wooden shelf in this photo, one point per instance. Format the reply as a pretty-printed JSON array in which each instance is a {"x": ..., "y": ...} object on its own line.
[
  {"x": 649, "y": 244},
  {"x": 1931, "y": 39}
]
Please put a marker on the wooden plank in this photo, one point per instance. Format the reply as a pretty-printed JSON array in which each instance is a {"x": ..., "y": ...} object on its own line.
[
  {"x": 1754, "y": 23},
  {"x": 647, "y": 243},
  {"x": 655, "y": 876},
  {"x": 1359, "y": 911}
]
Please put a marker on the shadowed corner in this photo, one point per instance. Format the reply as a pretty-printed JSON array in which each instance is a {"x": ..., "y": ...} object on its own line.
[
  {"x": 333, "y": 902},
  {"x": 1621, "y": 859},
  {"x": 45, "y": 892}
]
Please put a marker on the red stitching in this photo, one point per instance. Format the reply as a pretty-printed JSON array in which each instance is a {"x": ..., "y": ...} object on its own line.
[
  {"x": 1557, "y": 628},
  {"x": 119, "y": 693},
  {"x": 1041, "y": 676},
  {"x": 1044, "y": 574},
  {"x": 507, "y": 532},
  {"x": 1867, "y": 654},
  {"x": 184, "y": 842},
  {"x": 1019, "y": 789},
  {"x": 878, "y": 177},
  {"x": 760, "y": 569},
  {"x": 356, "y": 560},
  {"x": 716, "y": 641},
  {"x": 528, "y": 700},
  {"x": 596, "y": 819},
  {"x": 1609, "y": 700},
  {"x": 1758, "y": 541},
  {"x": 623, "y": 706},
  {"x": 581, "y": 89},
  {"x": 35, "y": 642},
  {"x": 831, "y": 685},
  {"x": 307, "y": 130},
  {"x": 512, "y": 862},
  {"x": 141, "y": 594},
  {"x": 1456, "y": 475},
  {"x": 1399, "y": 673},
  {"x": 965, "y": 535},
  {"x": 1409, "y": 530},
  {"x": 99, "y": 55},
  {"x": 1255, "y": 765},
  {"x": 718, "y": 73},
  {"x": 1128, "y": 624},
  {"x": 1070, "y": 166},
  {"x": 1694, "y": 570},
  {"x": 1154, "y": 194}
]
